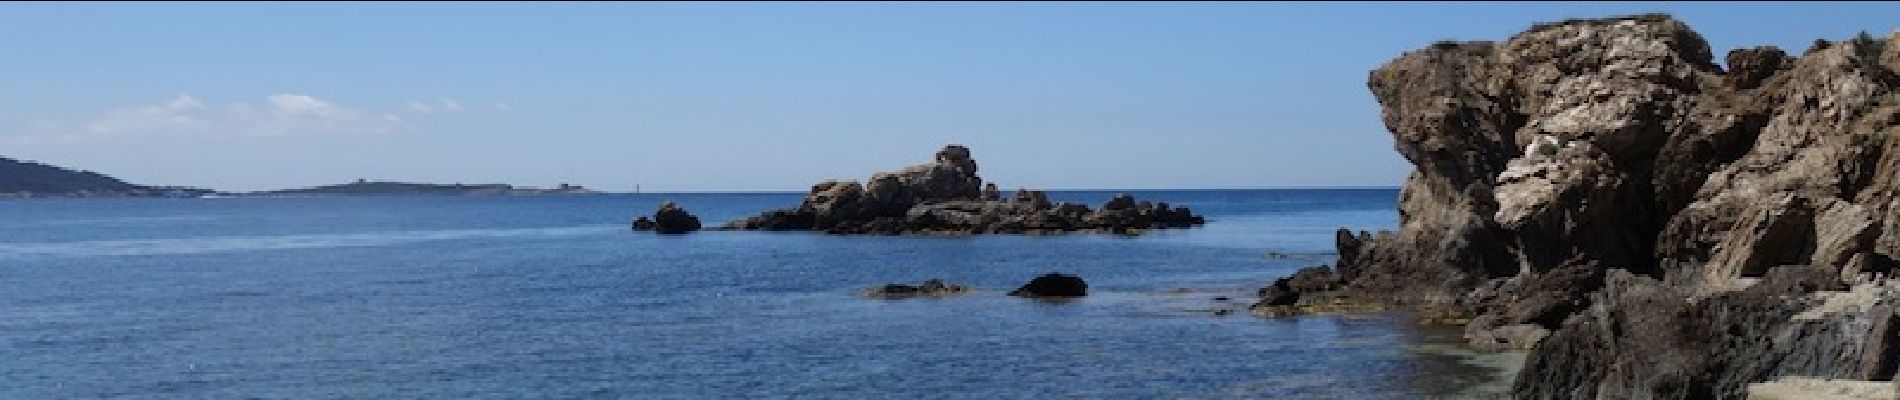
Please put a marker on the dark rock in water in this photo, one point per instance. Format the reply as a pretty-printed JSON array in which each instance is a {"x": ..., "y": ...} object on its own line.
[
  {"x": 1286, "y": 291},
  {"x": 946, "y": 196},
  {"x": 1053, "y": 285},
  {"x": 930, "y": 288},
  {"x": 668, "y": 219}
]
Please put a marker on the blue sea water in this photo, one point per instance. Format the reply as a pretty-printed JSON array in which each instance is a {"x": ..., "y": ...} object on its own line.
[{"x": 553, "y": 297}]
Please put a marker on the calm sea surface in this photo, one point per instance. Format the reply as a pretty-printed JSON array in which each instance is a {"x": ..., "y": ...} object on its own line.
[{"x": 552, "y": 297}]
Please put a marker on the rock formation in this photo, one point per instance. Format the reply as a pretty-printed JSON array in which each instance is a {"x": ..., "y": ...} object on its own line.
[
  {"x": 1053, "y": 285},
  {"x": 946, "y": 195},
  {"x": 1588, "y": 185},
  {"x": 669, "y": 219}
]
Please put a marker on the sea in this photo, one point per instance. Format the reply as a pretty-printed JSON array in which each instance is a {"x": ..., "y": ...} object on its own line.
[{"x": 554, "y": 297}]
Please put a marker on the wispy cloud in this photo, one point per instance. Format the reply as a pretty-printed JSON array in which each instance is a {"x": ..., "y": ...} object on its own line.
[
  {"x": 184, "y": 114},
  {"x": 442, "y": 105}
]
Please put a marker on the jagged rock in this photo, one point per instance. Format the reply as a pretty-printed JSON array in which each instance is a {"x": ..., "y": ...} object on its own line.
[
  {"x": 1617, "y": 147},
  {"x": 930, "y": 288},
  {"x": 1030, "y": 198},
  {"x": 1286, "y": 291},
  {"x": 1053, "y": 285},
  {"x": 1747, "y": 68},
  {"x": 1507, "y": 308},
  {"x": 671, "y": 219},
  {"x": 643, "y": 224},
  {"x": 1649, "y": 339},
  {"x": 946, "y": 196}
]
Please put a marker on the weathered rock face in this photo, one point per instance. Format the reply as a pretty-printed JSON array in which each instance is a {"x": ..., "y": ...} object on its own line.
[
  {"x": 1053, "y": 285},
  {"x": 946, "y": 195},
  {"x": 668, "y": 219},
  {"x": 1648, "y": 339},
  {"x": 1586, "y": 148}
]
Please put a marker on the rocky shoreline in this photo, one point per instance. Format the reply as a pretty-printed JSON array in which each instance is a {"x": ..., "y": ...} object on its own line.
[{"x": 1646, "y": 223}]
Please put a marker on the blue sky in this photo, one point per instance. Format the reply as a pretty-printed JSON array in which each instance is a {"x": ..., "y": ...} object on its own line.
[{"x": 747, "y": 96}]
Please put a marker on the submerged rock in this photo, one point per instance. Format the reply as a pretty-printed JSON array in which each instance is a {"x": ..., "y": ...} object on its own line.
[
  {"x": 947, "y": 196},
  {"x": 930, "y": 288},
  {"x": 1053, "y": 285}
]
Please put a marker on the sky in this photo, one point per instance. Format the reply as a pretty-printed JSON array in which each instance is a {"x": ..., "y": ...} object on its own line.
[{"x": 693, "y": 97}]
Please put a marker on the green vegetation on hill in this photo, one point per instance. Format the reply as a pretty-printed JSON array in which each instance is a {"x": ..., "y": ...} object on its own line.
[{"x": 30, "y": 179}]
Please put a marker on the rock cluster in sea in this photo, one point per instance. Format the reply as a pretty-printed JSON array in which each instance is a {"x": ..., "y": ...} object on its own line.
[
  {"x": 1646, "y": 222},
  {"x": 947, "y": 196},
  {"x": 1051, "y": 285},
  {"x": 668, "y": 219}
]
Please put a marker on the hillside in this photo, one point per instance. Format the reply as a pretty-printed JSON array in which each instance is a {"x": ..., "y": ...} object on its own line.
[{"x": 30, "y": 179}]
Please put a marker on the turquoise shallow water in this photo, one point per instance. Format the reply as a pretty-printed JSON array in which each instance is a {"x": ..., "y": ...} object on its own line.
[{"x": 551, "y": 297}]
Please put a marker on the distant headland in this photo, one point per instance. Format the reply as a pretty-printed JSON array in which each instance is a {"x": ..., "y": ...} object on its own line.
[
  {"x": 21, "y": 179},
  {"x": 370, "y": 188},
  {"x": 24, "y": 179}
]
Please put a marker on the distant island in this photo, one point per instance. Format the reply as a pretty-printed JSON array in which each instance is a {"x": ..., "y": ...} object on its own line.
[
  {"x": 367, "y": 188},
  {"x": 24, "y": 179}
]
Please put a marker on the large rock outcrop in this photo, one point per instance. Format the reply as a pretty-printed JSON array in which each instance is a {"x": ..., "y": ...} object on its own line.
[
  {"x": 1574, "y": 149},
  {"x": 946, "y": 195}
]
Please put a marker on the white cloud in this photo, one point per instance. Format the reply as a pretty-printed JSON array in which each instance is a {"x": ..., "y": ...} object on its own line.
[
  {"x": 503, "y": 106},
  {"x": 442, "y": 105},
  {"x": 276, "y": 114},
  {"x": 180, "y": 113},
  {"x": 301, "y": 105}
]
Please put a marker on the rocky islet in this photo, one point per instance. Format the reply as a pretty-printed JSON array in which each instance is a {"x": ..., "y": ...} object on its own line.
[{"x": 947, "y": 196}]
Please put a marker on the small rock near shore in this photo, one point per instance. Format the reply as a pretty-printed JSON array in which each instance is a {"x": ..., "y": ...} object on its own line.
[{"x": 1053, "y": 285}]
